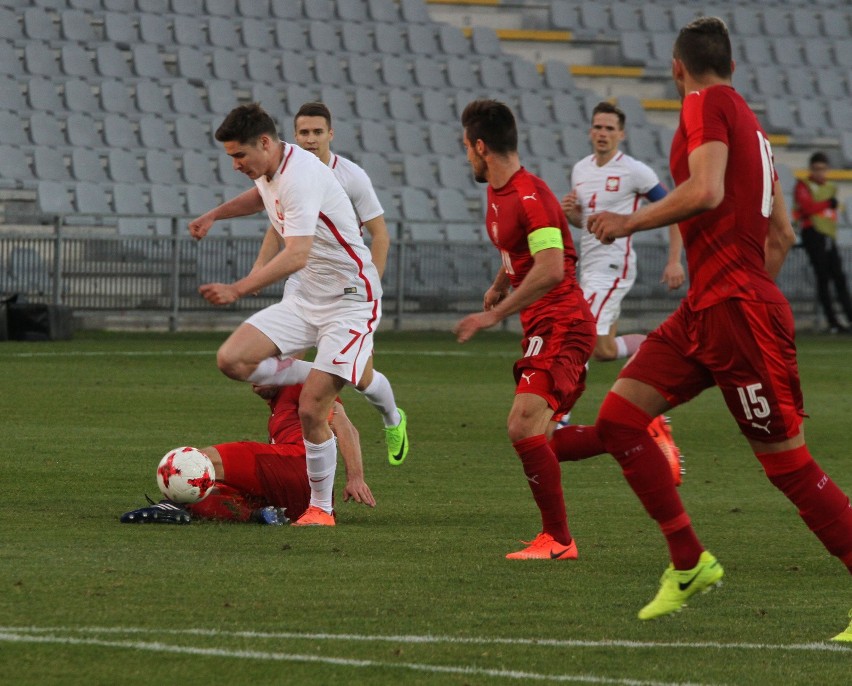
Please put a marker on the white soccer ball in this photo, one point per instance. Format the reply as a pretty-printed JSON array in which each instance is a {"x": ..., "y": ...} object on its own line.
[{"x": 185, "y": 475}]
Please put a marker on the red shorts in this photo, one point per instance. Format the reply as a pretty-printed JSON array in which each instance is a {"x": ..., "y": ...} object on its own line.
[
  {"x": 556, "y": 351},
  {"x": 745, "y": 347},
  {"x": 276, "y": 474}
]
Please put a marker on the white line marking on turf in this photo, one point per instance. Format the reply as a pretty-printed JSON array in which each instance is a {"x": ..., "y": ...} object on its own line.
[
  {"x": 426, "y": 639},
  {"x": 210, "y": 353},
  {"x": 346, "y": 662}
]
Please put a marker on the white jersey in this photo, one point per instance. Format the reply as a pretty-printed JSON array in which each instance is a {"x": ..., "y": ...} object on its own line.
[
  {"x": 358, "y": 187},
  {"x": 304, "y": 198},
  {"x": 618, "y": 186}
]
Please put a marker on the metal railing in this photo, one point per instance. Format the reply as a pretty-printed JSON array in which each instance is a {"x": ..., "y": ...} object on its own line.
[{"x": 161, "y": 274}]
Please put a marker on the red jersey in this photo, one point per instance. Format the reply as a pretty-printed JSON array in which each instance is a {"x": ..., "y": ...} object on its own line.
[
  {"x": 725, "y": 246},
  {"x": 284, "y": 425},
  {"x": 520, "y": 207}
]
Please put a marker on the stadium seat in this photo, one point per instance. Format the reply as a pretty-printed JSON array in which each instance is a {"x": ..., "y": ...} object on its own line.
[
  {"x": 452, "y": 41},
  {"x": 185, "y": 98},
  {"x": 543, "y": 142},
  {"x": 594, "y": 17},
  {"x": 93, "y": 198},
  {"x": 378, "y": 168},
  {"x": 76, "y": 26},
  {"x": 329, "y": 70},
  {"x": 484, "y": 41},
  {"x": 383, "y": 10},
  {"x": 16, "y": 168},
  {"x": 636, "y": 48},
  {"x": 82, "y": 130},
  {"x": 835, "y": 23},
  {"x": 120, "y": 27},
  {"x": 10, "y": 29},
  {"x": 454, "y": 172},
  {"x": 43, "y": 95},
  {"x": 54, "y": 197},
  {"x": 221, "y": 8},
  {"x": 38, "y": 24},
  {"x": 423, "y": 39},
  {"x": 563, "y": 15},
  {"x": 167, "y": 200},
  {"x": 45, "y": 129},
  {"x": 624, "y": 16},
  {"x": 414, "y": 11},
  {"x": 419, "y": 171},
  {"x": 161, "y": 167},
  {"x": 840, "y": 114},
  {"x": 323, "y": 37},
  {"x": 87, "y": 165},
  {"x": 124, "y": 166},
  {"x": 227, "y": 65},
  {"x": 12, "y": 95},
  {"x": 113, "y": 62},
  {"x": 370, "y": 104},
  {"x": 49, "y": 164},
  {"x": 452, "y": 206},
  {"x": 354, "y": 11},
  {"x": 575, "y": 143},
  {"x": 363, "y": 70},
  {"x": 147, "y": 62},
  {"x": 200, "y": 199},
  {"x": 192, "y": 63},
  {"x": 395, "y": 71},
  {"x": 155, "y": 132},
  {"x": 357, "y": 37},
  {"x": 779, "y": 116},
  {"x": 154, "y": 29},
  {"x": 261, "y": 68},
  {"x": 193, "y": 133},
  {"x": 10, "y": 63},
  {"x": 114, "y": 97},
  {"x": 655, "y": 17},
  {"x": 460, "y": 74},
  {"x": 444, "y": 139},
  {"x": 290, "y": 35},
  {"x": 429, "y": 73},
  {"x": 390, "y": 40},
  {"x": 222, "y": 34},
  {"x": 403, "y": 106},
  {"x": 339, "y": 101},
  {"x": 746, "y": 21},
  {"x": 346, "y": 139},
  {"x": 436, "y": 106},
  {"x": 221, "y": 97},
  {"x": 557, "y": 76},
  {"x": 40, "y": 60},
  {"x": 130, "y": 200},
  {"x": 377, "y": 137},
  {"x": 257, "y": 34}
]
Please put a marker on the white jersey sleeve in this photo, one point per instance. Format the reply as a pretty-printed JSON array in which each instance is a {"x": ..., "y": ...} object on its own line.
[{"x": 358, "y": 187}]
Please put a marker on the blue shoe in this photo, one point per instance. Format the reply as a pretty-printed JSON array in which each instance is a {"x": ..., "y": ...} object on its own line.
[
  {"x": 271, "y": 516},
  {"x": 163, "y": 512}
]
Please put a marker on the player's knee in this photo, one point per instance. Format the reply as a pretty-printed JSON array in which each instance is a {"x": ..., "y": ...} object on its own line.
[
  {"x": 620, "y": 423},
  {"x": 231, "y": 365},
  {"x": 520, "y": 426},
  {"x": 605, "y": 349}
]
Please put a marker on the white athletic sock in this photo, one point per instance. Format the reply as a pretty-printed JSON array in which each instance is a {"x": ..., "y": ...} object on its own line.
[
  {"x": 322, "y": 461},
  {"x": 380, "y": 395},
  {"x": 273, "y": 371},
  {"x": 627, "y": 345}
]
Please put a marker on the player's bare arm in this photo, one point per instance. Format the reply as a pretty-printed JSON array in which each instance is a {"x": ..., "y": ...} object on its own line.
[
  {"x": 379, "y": 242},
  {"x": 547, "y": 271},
  {"x": 497, "y": 291},
  {"x": 348, "y": 441},
  {"x": 243, "y": 205},
  {"x": 572, "y": 209},
  {"x": 703, "y": 190},
  {"x": 780, "y": 236},
  {"x": 673, "y": 273},
  {"x": 288, "y": 261}
]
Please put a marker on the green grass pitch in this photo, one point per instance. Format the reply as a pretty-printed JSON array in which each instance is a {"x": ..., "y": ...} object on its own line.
[{"x": 416, "y": 591}]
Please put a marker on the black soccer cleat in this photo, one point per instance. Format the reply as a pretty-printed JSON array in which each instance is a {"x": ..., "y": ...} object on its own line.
[{"x": 163, "y": 512}]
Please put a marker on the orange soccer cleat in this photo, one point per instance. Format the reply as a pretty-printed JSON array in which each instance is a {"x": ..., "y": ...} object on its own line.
[
  {"x": 315, "y": 516},
  {"x": 545, "y": 547},
  {"x": 661, "y": 432}
]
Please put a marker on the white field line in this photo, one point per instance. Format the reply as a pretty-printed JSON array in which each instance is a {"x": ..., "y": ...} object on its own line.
[
  {"x": 427, "y": 639},
  {"x": 212, "y": 353},
  {"x": 344, "y": 662}
]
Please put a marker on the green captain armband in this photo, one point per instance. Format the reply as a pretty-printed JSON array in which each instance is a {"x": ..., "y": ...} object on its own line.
[{"x": 546, "y": 237}]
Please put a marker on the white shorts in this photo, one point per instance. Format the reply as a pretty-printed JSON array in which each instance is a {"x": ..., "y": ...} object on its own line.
[
  {"x": 341, "y": 331},
  {"x": 604, "y": 296}
]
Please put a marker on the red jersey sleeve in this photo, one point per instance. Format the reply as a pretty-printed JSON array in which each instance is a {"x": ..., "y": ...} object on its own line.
[{"x": 705, "y": 118}]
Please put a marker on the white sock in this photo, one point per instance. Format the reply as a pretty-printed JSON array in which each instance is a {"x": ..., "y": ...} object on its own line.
[
  {"x": 322, "y": 461},
  {"x": 627, "y": 345},
  {"x": 380, "y": 395},
  {"x": 273, "y": 371}
]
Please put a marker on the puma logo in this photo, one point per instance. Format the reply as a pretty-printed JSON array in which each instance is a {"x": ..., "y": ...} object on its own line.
[
  {"x": 529, "y": 197},
  {"x": 761, "y": 426},
  {"x": 495, "y": 208},
  {"x": 526, "y": 377},
  {"x": 533, "y": 480}
]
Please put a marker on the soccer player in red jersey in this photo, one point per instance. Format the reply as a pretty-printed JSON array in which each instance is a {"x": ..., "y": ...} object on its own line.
[
  {"x": 258, "y": 481},
  {"x": 526, "y": 223},
  {"x": 734, "y": 330}
]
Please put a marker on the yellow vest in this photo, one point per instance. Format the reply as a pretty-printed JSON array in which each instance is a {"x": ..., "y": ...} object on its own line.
[{"x": 826, "y": 221}]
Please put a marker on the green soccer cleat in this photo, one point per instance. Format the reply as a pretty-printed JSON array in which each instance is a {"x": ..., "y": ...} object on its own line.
[
  {"x": 847, "y": 634},
  {"x": 678, "y": 586},
  {"x": 397, "y": 439}
]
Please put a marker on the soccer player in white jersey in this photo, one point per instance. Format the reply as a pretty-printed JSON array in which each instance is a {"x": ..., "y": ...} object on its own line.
[
  {"x": 609, "y": 180},
  {"x": 313, "y": 132},
  {"x": 336, "y": 306}
]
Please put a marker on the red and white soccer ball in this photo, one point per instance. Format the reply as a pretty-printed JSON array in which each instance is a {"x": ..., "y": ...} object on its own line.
[{"x": 185, "y": 475}]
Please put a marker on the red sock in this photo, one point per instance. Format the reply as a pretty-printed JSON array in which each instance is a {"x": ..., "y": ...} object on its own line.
[
  {"x": 227, "y": 504},
  {"x": 574, "y": 442},
  {"x": 623, "y": 427},
  {"x": 545, "y": 478},
  {"x": 821, "y": 503}
]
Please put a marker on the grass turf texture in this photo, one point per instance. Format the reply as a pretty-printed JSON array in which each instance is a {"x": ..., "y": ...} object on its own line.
[{"x": 85, "y": 423}]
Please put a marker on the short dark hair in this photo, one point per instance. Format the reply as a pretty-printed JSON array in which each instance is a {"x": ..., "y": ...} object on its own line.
[
  {"x": 606, "y": 107},
  {"x": 818, "y": 158},
  {"x": 493, "y": 123},
  {"x": 704, "y": 46},
  {"x": 314, "y": 109},
  {"x": 245, "y": 124}
]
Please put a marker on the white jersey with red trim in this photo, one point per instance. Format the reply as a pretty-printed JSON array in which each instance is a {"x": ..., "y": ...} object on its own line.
[
  {"x": 618, "y": 186},
  {"x": 358, "y": 187},
  {"x": 304, "y": 198}
]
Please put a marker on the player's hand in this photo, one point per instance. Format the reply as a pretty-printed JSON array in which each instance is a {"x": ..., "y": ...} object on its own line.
[
  {"x": 199, "y": 226},
  {"x": 607, "y": 226},
  {"x": 357, "y": 489},
  {"x": 219, "y": 293},
  {"x": 673, "y": 276},
  {"x": 468, "y": 326},
  {"x": 569, "y": 202},
  {"x": 492, "y": 298}
]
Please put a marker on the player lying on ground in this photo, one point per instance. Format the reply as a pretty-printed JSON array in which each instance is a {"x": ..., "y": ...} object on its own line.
[{"x": 267, "y": 482}]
